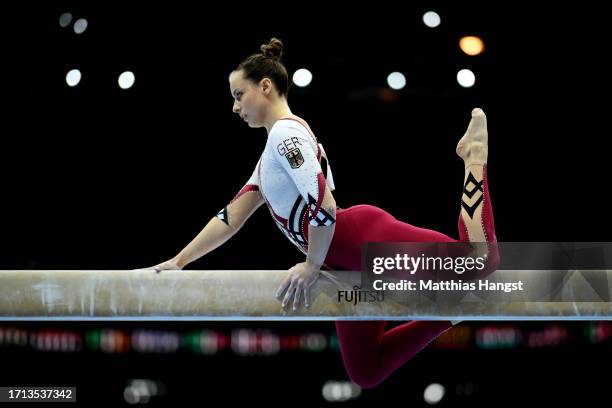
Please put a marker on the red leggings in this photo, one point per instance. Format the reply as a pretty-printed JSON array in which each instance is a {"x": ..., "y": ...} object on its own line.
[{"x": 369, "y": 353}]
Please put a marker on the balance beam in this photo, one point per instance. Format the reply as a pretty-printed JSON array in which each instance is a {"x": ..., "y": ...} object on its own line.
[{"x": 248, "y": 295}]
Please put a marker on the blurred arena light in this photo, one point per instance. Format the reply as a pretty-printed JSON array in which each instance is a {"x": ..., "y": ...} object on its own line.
[
  {"x": 466, "y": 78},
  {"x": 396, "y": 80},
  {"x": 140, "y": 391},
  {"x": 431, "y": 19},
  {"x": 302, "y": 77},
  {"x": 80, "y": 25},
  {"x": 65, "y": 20},
  {"x": 126, "y": 80},
  {"x": 337, "y": 391},
  {"x": 471, "y": 45},
  {"x": 433, "y": 393},
  {"x": 73, "y": 77}
]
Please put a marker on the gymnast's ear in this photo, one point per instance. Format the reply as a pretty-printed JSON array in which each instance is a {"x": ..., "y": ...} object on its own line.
[{"x": 266, "y": 86}]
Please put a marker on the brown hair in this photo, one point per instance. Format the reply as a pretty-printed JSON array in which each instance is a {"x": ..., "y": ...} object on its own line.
[{"x": 267, "y": 64}]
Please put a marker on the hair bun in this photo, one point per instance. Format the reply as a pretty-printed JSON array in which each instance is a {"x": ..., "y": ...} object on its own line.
[{"x": 273, "y": 49}]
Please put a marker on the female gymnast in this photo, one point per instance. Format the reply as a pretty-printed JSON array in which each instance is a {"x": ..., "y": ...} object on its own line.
[{"x": 293, "y": 178}]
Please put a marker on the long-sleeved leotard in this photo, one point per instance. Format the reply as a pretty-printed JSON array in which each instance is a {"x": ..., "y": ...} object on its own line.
[{"x": 291, "y": 175}]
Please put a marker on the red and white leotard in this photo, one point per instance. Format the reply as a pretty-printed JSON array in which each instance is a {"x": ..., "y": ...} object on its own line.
[{"x": 291, "y": 176}]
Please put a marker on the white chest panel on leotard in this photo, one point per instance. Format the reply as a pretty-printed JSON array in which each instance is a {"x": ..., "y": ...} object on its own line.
[{"x": 291, "y": 176}]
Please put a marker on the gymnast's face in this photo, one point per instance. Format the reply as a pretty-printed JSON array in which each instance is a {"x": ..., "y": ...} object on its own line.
[{"x": 251, "y": 101}]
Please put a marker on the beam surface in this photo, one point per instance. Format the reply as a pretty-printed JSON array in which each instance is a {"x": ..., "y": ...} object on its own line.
[{"x": 249, "y": 295}]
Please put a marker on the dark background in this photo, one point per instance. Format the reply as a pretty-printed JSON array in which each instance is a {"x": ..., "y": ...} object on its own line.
[{"x": 96, "y": 177}]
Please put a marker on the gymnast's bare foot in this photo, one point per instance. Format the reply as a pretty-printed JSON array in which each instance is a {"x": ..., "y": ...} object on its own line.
[{"x": 473, "y": 147}]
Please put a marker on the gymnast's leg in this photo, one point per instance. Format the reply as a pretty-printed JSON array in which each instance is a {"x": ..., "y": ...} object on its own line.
[{"x": 369, "y": 353}]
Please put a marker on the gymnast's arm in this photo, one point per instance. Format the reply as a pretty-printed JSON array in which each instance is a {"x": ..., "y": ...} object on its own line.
[
  {"x": 221, "y": 227},
  {"x": 303, "y": 275},
  {"x": 320, "y": 237}
]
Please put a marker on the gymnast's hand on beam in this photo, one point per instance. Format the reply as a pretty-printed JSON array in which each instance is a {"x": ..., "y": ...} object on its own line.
[
  {"x": 301, "y": 278},
  {"x": 169, "y": 265}
]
